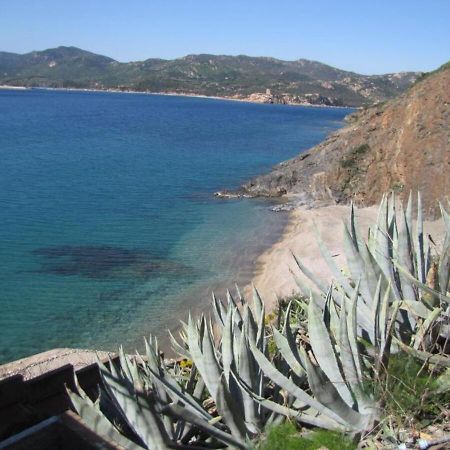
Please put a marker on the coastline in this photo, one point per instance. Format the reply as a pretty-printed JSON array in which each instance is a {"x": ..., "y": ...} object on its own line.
[
  {"x": 272, "y": 276},
  {"x": 170, "y": 94}
]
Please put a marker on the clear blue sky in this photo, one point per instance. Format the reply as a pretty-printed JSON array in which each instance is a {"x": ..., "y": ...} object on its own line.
[{"x": 366, "y": 36}]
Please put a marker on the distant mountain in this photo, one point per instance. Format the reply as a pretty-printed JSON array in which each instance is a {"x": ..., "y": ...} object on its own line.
[
  {"x": 402, "y": 145},
  {"x": 257, "y": 79}
]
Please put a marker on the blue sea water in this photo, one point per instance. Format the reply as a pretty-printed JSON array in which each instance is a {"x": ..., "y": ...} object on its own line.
[{"x": 108, "y": 227}]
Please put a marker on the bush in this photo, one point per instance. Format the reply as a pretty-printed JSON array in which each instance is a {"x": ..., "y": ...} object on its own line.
[{"x": 350, "y": 159}]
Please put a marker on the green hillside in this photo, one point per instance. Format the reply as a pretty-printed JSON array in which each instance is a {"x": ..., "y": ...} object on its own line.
[{"x": 300, "y": 81}]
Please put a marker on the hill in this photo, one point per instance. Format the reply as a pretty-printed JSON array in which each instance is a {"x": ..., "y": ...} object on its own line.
[
  {"x": 259, "y": 79},
  {"x": 401, "y": 145}
]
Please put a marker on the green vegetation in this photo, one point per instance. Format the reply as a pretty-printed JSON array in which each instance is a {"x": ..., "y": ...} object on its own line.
[
  {"x": 352, "y": 157},
  {"x": 397, "y": 187},
  {"x": 425, "y": 75},
  {"x": 287, "y": 437},
  {"x": 412, "y": 392},
  {"x": 365, "y": 359},
  {"x": 213, "y": 75}
]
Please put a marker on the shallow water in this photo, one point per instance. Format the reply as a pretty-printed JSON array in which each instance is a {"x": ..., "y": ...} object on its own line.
[{"x": 108, "y": 227}]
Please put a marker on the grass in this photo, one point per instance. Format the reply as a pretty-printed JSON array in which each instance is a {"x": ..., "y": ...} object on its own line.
[
  {"x": 286, "y": 437},
  {"x": 411, "y": 393},
  {"x": 413, "y": 389}
]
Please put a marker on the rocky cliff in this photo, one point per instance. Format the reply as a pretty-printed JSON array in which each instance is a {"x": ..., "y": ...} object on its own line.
[{"x": 400, "y": 145}]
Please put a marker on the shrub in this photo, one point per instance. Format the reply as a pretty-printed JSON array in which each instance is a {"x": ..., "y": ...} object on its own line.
[{"x": 352, "y": 156}]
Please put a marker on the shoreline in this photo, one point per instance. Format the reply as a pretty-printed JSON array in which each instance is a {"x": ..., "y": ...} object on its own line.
[
  {"x": 170, "y": 94},
  {"x": 272, "y": 276}
]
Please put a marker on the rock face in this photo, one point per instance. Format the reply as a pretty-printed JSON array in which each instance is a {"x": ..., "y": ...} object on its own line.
[
  {"x": 289, "y": 99},
  {"x": 401, "y": 145}
]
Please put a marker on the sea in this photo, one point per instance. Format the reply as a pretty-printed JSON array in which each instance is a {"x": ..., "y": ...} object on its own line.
[{"x": 109, "y": 229}]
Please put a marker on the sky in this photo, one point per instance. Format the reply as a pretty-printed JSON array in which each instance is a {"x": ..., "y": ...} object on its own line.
[{"x": 365, "y": 36}]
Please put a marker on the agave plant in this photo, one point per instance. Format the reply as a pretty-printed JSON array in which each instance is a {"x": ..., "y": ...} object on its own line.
[
  {"x": 143, "y": 405},
  {"x": 221, "y": 354},
  {"x": 323, "y": 388},
  {"x": 234, "y": 388},
  {"x": 160, "y": 408},
  {"x": 398, "y": 260},
  {"x": 334, "y": 396}
]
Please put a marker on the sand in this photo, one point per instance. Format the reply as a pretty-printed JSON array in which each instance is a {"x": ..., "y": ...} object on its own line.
[{"x": 273, "y": 277}]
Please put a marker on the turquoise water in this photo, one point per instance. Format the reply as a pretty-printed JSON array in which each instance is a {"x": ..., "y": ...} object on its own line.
[{"x": 109, "y": 230}]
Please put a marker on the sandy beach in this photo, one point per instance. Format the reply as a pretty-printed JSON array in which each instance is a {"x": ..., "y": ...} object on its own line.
[{"x": 273, "y": 277}]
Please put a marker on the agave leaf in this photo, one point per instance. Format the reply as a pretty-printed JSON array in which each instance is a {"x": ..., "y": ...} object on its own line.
[
  {"x": 154, "y": 366},
  {"x": 357, "y": 266},
  {"x": 199, "y": 389},
  {"x": 421, "y": 285},
  {"x": 330, "y": 315},
  {"x": 176, "y": 393},
  {"x": 352, "y": 331},
  {"x": 210, "y": 365},
  {"x": 238, "y": 335},
  {"x": 289, "y": 386},
  {"x": 97, "y": 422},
  {"x": 342, "y": 280},
  {"x": 288, "y": 354},
  {"x": 124, "y": 364},
  {"x": 137, "y": 411},
  {"x": 374, "y": 335},
  {"x": 232, "y": 303},
  {"x": 383, "y": 317},
  {"x": 257, "y": 303},
  {"x": 218, "y": 310},
  {"x": 260, "y": 333},
  {"x": 346, "y": 353},
  {"x": 299, "y": 352},
  {"x": 326, "y": 392},
  {"x": 444, "y": 265},
  {"x": 239, "y": 295},
  {"x": 249, "y": 373},
  {"x": 181, "y": 413},
  {"x": 445, "y": 217},
  {"x": 419, "y": 309},
  {"x": 324, "y": 351},
  {"x": 194, "y": 338},
  {"x": 425, "y": 326},
  {"x": 372, "y": 268},
  {"x": 375, "y": 229},
  {"x": 182, "y": 351},
  {"x": 440, "y": 360},
  {"x": 227, "y": 344},
  {"x": 353, "y": 227},
  {"x": 382, "y": 243},
  {"x": 317, "y": 281},
  {"x": 408, "y": 213},
  {"x": 419, "y": 244},
  {"x": 404, "y": 255},
  {"x": 314, "y": 419},
  {"x": 229, "y": 410}
]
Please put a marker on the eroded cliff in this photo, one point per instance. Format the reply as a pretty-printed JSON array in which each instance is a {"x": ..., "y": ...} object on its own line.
[{"x": 400, "y": 145}]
